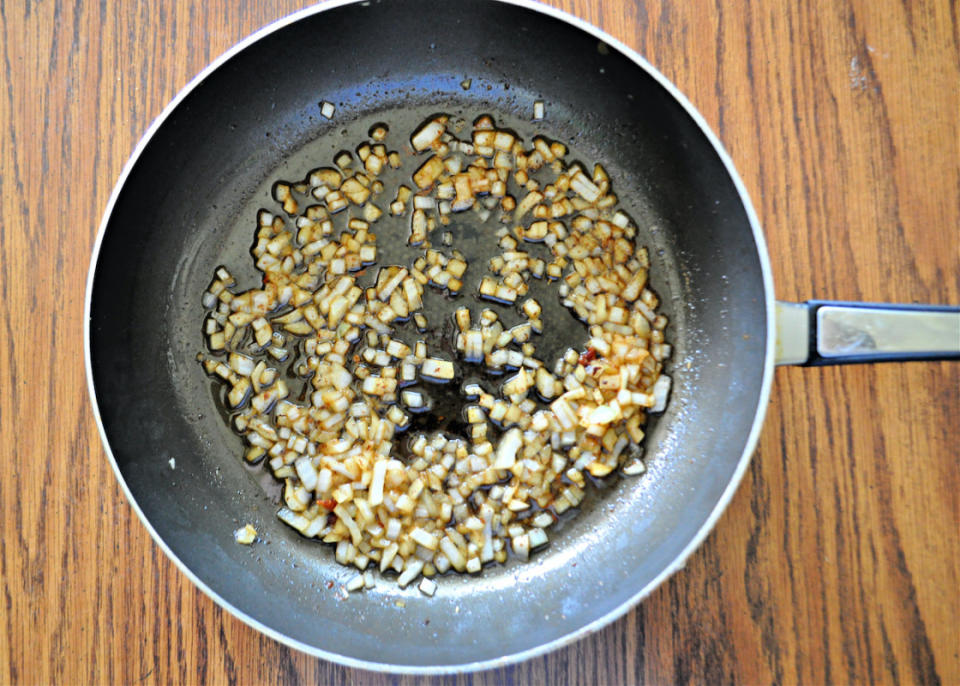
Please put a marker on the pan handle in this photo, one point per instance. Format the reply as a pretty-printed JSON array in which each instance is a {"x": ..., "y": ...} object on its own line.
[{"x": 822, "y": 332}]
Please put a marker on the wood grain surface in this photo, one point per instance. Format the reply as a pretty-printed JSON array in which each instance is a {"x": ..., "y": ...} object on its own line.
[{"x": 838, "y": 559}]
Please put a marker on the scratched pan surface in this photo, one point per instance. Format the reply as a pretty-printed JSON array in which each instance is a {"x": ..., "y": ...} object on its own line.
[{"x": 187, "y": 204}]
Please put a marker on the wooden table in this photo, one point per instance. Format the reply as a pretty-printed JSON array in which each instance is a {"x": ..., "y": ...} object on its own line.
[{"x": 838, "y": 559}]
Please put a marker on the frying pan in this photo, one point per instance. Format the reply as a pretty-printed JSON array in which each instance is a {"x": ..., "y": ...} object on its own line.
[{"x": 185, "y": 204}]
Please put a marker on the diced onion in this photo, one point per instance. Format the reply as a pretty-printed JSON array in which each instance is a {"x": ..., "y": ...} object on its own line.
[
  {"x": 245, "y": 535},
  {"x": 529, "y": 444},
  {"x": 441, "y": 370}
]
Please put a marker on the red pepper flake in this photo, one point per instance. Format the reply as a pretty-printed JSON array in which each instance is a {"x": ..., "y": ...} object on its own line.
[
  {"x": 328, "y": 504},
  {"x": 329, "y": 584},
  {"x": 588, "y": 357}
]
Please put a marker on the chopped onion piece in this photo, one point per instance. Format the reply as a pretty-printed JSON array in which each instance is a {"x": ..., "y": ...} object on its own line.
[
  {"x": 245, "y": 535},
  {"x": 412, "y": 399},
  {"x": 634, "y": 467},
  {"x": 441, "y": 370},
  {"x": 507, "y": 449},
  {"x": 428, "y": 587},
  {"x": 427, "y": 135},
  {"x": 410, "y": 572},
  {"x": 355, "y": 583},
  {"x": 424, "y": 538}
]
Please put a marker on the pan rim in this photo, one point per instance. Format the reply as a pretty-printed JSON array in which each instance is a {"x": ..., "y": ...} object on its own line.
[{"x": 678, "y": 563}]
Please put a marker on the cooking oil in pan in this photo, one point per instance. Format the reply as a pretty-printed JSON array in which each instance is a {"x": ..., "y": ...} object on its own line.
[{"x": 445, "y": 403}]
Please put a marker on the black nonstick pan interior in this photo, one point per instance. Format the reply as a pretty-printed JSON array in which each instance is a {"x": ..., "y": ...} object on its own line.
[{"x": 189, "y": 203}]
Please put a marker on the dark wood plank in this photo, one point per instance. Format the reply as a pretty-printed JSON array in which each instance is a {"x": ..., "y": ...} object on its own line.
[{"x": 838, "y": 560}]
